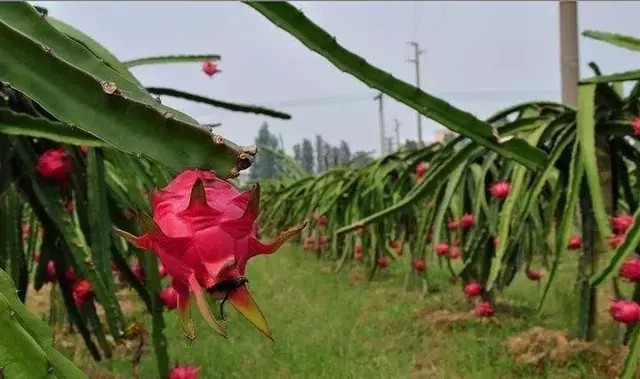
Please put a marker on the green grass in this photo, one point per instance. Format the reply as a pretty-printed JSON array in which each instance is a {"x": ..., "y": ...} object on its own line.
[{"x": 341, "y": 326}]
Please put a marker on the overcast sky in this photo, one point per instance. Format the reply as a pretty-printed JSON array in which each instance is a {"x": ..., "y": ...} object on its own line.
[{"x": 480, "y": 56}]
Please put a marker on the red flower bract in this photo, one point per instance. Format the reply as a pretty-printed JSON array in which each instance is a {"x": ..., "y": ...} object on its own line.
[
  {"x": 453, "y": 225},
  {"x": 383, "y": 262},
  {"x": 162, "y": 271},
  {"x": 184, "y": 372},
  {"x": 204, "y": 232},
  {"x": 169, "y": 297},
  {"x": 55, "y": 164}
]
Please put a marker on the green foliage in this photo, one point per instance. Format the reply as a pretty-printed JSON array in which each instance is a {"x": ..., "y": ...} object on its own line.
[
  {"x": 591, "y": 162},
  {"x": 626, "y": 42},
  {"x": 60, "y": 89},
  {"x": 95, "y": 98},
  {"x": 217, "y": 103},
  {"x": 165, "y": 59},
  {"x": 27, "y": 349}
]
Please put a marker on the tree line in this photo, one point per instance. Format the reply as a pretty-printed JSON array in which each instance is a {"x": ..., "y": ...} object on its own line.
[{"x": 314, "y": 158}]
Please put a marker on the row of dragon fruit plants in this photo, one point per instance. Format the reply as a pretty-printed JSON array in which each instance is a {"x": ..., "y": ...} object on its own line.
[{"x": 486, "y": 217}]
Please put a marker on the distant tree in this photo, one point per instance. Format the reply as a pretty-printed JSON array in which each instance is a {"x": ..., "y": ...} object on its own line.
[
  {"x": 345, "y": 153},
  {"x": 361, "y": 159},
  {"x": 320, "y": 167},
  {"x": 297, "y": 153},
  {"x": 411, "y": 145},
  {"x": 265, "y": 165},
  {"x": 281, "y": 142},
  {"x": 307, "y": 158},
  {"x": 335, "y": 159},
  {"x": 328, "y": 156}
]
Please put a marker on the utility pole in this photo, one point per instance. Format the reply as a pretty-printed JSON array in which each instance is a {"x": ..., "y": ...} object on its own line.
[
  {"x": 416, "y": 61},
  {"x": 397, "y": 129},
  {"x": 569, "y": 67},
  {"x": 390, "y": 144},
  {"x": 381, "y": 121}
]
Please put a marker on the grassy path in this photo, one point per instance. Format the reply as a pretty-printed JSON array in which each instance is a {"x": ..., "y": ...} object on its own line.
[{"x": 340, "y": 326}]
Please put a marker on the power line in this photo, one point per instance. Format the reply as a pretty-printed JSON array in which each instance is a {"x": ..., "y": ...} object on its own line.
[
  {"x": 484, "y": 95},
  {"x": 418, "y": 14}
]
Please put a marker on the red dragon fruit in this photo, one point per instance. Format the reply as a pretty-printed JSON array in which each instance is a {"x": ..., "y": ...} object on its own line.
[
  {"x": 194, "y": 210},
  {"x": 626, "y": 312},
  {"x": 500, "y": 190},
  {"x": 467, "y": 221},
  {"x": 473, "y": 289},
  {"x": 483, "y": 309},
  {"x": 184, "y": 372},
  {"x": 210, "y": 68},
  {"x": 55, "y": 164}
]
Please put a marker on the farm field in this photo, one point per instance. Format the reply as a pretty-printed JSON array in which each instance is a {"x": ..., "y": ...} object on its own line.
[
  {"x": 341, "y": 326},
  {"x": 142, "y": 238}
]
